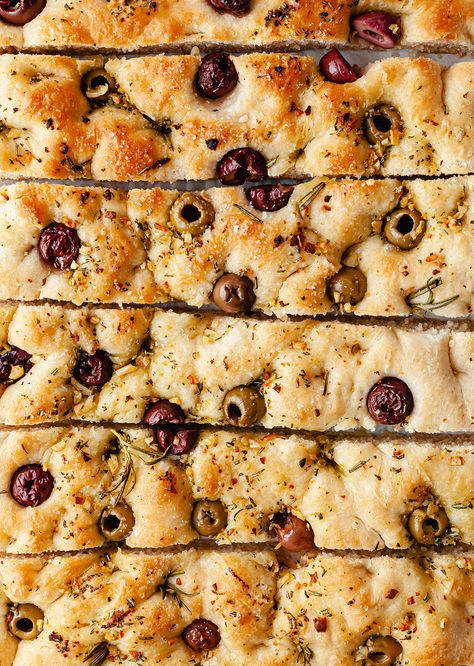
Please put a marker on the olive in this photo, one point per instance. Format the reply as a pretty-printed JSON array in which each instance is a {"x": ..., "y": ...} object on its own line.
[
  {"x": 390, "y": 401},
  {"x": 97, "y": 85},
  {"x": 269, "y": 198},
  {"x": 379, "y": 124},
  {"x": 216, "y": 76},
  {"x": 31, "y": 485},
  {"x": 404, "y": 228},
  {"x": 240, "y": 165},
  {"x": 233, "y": 293},
  {"x": 294, "y": 534},
  {"x": 379, "y": 28},
  {"x": 209, "y": 517},
  {"x": 116, "y": 522},
  {"x": 94, "y": 371},
  {"x": 201, "y": 635},
  {"x": 348, "y": 286},
  {"x": 20, "y": 12},
  {"x": 427, "y": 524},
  {"x": 59, "y": 245},
  {"x": 235, "y": 7},
  {"x": 383, "y": 651},
  {"x": 165, "y": 412},
  {"x": 14, "y": 364},
  {"x": 25, "y": 621},
  {"x": 335, "y": 68},
  {"x": 244, "y": 406},
  {"x": 191, "y": 214}
]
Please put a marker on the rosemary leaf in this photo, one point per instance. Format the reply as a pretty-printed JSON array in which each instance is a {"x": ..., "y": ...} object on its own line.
[
  {"x": 248, "y": 214},
  {"x": 429, "y": 305},
  {"x": 358, "y": 466},
  {"x": 308, "y": 198},
  {"x": 97, "y": 655}
]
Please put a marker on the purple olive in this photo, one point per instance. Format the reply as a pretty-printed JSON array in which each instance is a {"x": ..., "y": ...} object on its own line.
[
  {"x": 334, "y": 67},
  {"x": 242, "y": 164},
  {"x": 95, "y": 370},
  {"x": 216, "y": 76},
  {"x": 19, "y": 12},
  {"x": 31, "y": 485},
  {"x": 201, "y": 635},
  {"x": 14, "y": 358},
  {"x": 166, "y": 412},
  {"x": 235, "y": 7},
  {"x": 269, "y": 197},
  {"x": 379, "y": 28},
  {"x": 163, "y": 411},
  {"x": 390, "y": 401},
  {"x": 59, "y": 245},
  {"x": 294, "y": 534}
]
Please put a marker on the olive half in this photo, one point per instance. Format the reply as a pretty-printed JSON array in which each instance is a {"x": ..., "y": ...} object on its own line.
[
  {"x": 347, "y": 287},
  {"x": 191, "y": 214},
  {"x": 25, "y": 621},
  {"x": 97, "y": 85},
  {"x": 383, "y": 651},
  {"x": 380, "y": 124},
  {"x": 209, "y": 517},
  {"x": 116, "y": 522},
  {"x": 427, "y": 524},
  {"x": 244, "y": 405},
  {"x": 404, "y": 228}
]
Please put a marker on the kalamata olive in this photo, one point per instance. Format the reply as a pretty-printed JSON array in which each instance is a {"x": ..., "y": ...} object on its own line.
[
  {"x": 25, "y": 621},
  {"x": 59, "y": 245},
  {"x": 377, "y": 27},
  {"x": 347, "y": 287},
  {"x": 233, "y": 293},
  {"x": 294, "y": 534},
  {"x": 241, "y": 165},
  {"x": 390, "y": 401},
  {"x": 235, "y": 7},
  {"x": 383, "y": 651},
  {"x": 334, "y": 67},
  {"x": 269, "y": 197},
  {"x": 201, "y": 635},
  {"x": 404, "y": 228},
  {"x": 428, "y": 523},
  {"x": 209, "y": 517},
  {"x": 93, "y": 371},
  {"x": 216, "y": 76},
  {"x": 116, "y": 522},
  {"x": 163, "y": 411},
  {"x": 31, "y": 485},
  {"x": 97, "y": 85},
  {"x": 166, "y": 412},
  {"x": 382, "y": 124},
  {"x": 20, "y": 12},
  {"x": 14, "y": 364},
  {"x": 191, "y": 214},
  {"x": 244, "y": 406}
]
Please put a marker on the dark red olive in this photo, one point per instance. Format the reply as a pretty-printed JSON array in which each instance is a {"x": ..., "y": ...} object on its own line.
[
  {"x": 94, "y": 370},
  {"x": 379, "y": 28},
  {"x": 202, "y": 635},
  {"x": 59, "y": 245},
  {"x": 163, "y": 411},
  {"x": 294, "y": 534},
  {"x": 19, "y": 12},
  {"x": 31, "y": 485},
  {"x": 11, "y": 359},
  {"x": 334, "y": 67},
  {"x": 233, "y": 293},
  {"x": 216, "y": 76},
  {"x": 390, "y": 401},
  {"x": 166, "y": 412},
  {"x": 236, "y": 7},
  {"x": 269, "y": 197},
  {"x": 240, "y": 165}
]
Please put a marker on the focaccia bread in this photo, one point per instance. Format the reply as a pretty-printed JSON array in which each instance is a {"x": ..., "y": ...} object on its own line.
[
  {"x": 356, "y": 494},
  {"x": 146, "y": 120},
  {"x": 429, "y": 24},
  {"x": 138, "y": 247},
  {"x": 109, "y": 365}
]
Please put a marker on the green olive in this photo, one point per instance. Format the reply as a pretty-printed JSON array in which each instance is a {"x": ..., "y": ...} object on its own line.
[
  {"x": 383, "y": 651},
  {"x": 97, "y": 85},
  {"x": 427, "y": 524},
  {"x": 404, "y": 228},
  {"x": 349, "y": 286},
  {"x": 209, "y": 518},
  {"x": 244, "y": 406},
  {"x": 379, "y": 124},
  {"x": 25, "y": 621},
  {"x": 116, "y": 522},
  {"x": 191, "y": 214}
]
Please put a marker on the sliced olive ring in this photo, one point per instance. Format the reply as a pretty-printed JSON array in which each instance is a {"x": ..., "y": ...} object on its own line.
[
  {"x": 347, "y": 287},
  {"x": 116, "y": 522},
  {"x": 428, "y": 524},
  {"x": 25, "y": 621},
  {"x": 383, "y": 651},
  {"x": 404, "y": 228},
  {"x": 191, "y": 214},
  {"x": 379, "y": 124},
  {"x": 244, "y": 406},
  {"x": 209, "y": 517},
  {"x": 97, "y": 85}
]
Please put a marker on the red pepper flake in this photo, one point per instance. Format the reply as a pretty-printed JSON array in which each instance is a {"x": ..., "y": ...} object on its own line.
[
  {"x": 310, "y": 248},
  {"x": 391, "y": 594},
  {"x": 410, "y": 601},
  {"x": 321, "y": 624},
  {"x": 79, "y": 500}
]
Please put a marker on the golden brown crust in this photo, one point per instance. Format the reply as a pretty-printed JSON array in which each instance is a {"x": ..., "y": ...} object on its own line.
[{"x": 132, "y": 253}]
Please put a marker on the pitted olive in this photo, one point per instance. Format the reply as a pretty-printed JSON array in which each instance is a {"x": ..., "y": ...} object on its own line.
[
  {"x": 209, "y": 517},
  {"x": 191, "y": 214},
  {"x": 233, "y": 293},
  {"x": 404, "y": 228},
  {"x": 379, "y": 124},
  {"x": 244, "y": 406},
  {"x": 25, "y": 621},
  {"x": 97, "y": 85},
  {"x": 383, "y": 651},
  {"x": 116, "y": 522},
  {"x": 348, "y": 286},
  {"x": 427, "y": 524}
]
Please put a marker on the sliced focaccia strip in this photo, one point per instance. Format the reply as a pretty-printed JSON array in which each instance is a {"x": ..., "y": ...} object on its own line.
[
  {"x": 143, "y": 119},
  {"x": 146, "y": 246},
  {"x": 429, "y": 24},
  {"x": 132, "y": 608},
  {"x": 109, "y": 365},
  {"x": 344, "y": 611},
  {"x": 105, "y": 484}
]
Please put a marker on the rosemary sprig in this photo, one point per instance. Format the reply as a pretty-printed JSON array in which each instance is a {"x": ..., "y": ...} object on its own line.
[
  {"x": 97, "y": 655},
  {"x": 169, "y": 589},
  {"x": 360, "y": 464},
  {"x": 310, "y": 196},
  {"x": 248, "y": 214},
  {"x": 304, "y": 653},
  {"x": 428, "y": 290}
]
